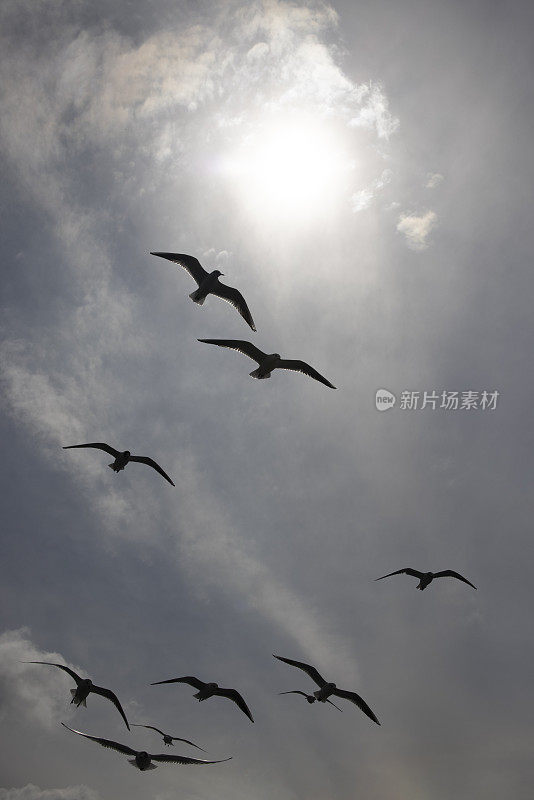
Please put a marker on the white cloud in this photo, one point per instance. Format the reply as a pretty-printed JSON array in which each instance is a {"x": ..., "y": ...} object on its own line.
[
  {"x": 29, "y": 690},
  {"x": 32, "y": 792},
  {"x": 417, "y": 229},
  {"x": 433, "y": 179},
  {"x": 363, "y": 198},
  {"x": 374, "y": 111}
]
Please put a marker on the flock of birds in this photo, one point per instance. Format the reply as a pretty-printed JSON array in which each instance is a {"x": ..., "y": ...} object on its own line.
[{"x": 209, "y": 283}]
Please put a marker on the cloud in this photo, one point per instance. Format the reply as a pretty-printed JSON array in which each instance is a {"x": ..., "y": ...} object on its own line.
[
  {"x": 417, "y": 229},
  {"x": 32, "y": 792},
  {"x": 433, "y": 179},
  {"x": 362, "y": 199},
  {"x": 374, "y": 111},
  {"x": 30, "y": 690}
]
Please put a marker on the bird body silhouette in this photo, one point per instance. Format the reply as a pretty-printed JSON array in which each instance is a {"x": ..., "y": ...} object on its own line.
[
  {"x": 268, "y": 361},
  {"x": 167, "y": 738},
  {"x": 141, "y": 759},
  {"x": 326, "y": 689},
  {"x": 121, "y": 458},
  {"x": 207, "y": 690},
  {"x": 310, "y": 697},
  {"x": 84, "y": 686},
  {"x": 209, "y": 283},
  {"x": 426, "y": 578}
]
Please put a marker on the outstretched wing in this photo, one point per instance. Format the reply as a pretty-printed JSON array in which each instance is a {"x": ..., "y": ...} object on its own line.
[
  {"x": 177, "y": 739},
  {"x": 247, "y": 348},
  {"x": 333, "y": 704},
  {"x": 153, "y": 464},
  {"x": 121, "y": 748},
  {"x": 358, "y": 701},
  {"x": 189, "y": 263},
  {"x": 164, "y": 758},
  {"x": 114, "y": 699},
  {"x": 66, "y": 669},
  {"x": 98, "y": 445},
  {"x": 151, "y": 727},
  {"x": 301, "y": 366},
  {"x": 449, "y": 573},
  {"x": 407, "y": 571},
  {"x": 233, "y": 694},
  {"x": 236, "y": 299},
  {"x": 186, "y": 679},
  {"x": 308, "y": 669}
]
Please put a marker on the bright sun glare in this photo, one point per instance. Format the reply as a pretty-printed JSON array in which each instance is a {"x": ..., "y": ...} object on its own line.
[{"x": 291, "y": 167}]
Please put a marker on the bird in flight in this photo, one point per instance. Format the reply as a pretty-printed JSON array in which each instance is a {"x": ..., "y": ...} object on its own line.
[
  {"x": 328, "y": 689},
  {"x": 84, "y": 687},
  {"x": 206, "y": 690},
  {"x": 209, "y": 283},
  {"x": 310, "y": 697},
  {"x": 425, "y": 578},
  {"x": 141, "y": 759},
  {"x": 268, "y": 362},
  {"x": 167, "y": 738},
  {"x": 121, "y": 459}
]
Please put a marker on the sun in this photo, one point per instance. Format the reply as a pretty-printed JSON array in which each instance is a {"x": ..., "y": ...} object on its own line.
[{"x": 290, "y": 166}]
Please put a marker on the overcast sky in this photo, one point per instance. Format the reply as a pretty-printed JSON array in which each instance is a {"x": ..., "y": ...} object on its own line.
[{"x": 362, "y": 171}]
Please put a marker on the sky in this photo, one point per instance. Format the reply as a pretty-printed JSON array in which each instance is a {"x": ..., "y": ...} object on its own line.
[{"x": 362, "y": 172}]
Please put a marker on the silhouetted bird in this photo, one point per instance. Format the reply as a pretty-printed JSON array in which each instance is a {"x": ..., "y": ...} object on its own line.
[
  {"x": 427, "y": 577},
  {"x": 267, "y": 362},
  {"x": 328, "y": 689},
  {"x": 121, "y": 459},
  {"x": 84, "y": 687},
  {"x": 206, "y": 690},
  {"x": 310, "y": 698},
  {"x": 141, "y": 759},
  {"x": 167, "y": 738},
  {"x": 209, "y": 283}
]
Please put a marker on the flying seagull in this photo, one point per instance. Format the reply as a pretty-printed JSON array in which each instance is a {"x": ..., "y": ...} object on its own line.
[
  {"x": 209, "y": 283},
  {"x": 167, "y": 738},
  {"x": 141, "y": 759},
  {"x": 427, "y": 577},
  {"x": 328, "y": 689},
  {"x": 268, "y": 362},
  {"x": 121, "y": 459},
  {"x": 310, "y": 697},
  {"x": 206, "y": 690},
  {"x": 83, "y": 688}
]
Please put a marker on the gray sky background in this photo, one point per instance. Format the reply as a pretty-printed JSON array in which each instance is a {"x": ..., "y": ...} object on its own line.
[{"x": 390, "y": 245}]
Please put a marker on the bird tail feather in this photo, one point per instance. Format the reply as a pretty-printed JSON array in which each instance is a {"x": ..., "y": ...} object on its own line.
[
  {"x": 256, "y": 374},
  {"x": 197, "y": 298}
]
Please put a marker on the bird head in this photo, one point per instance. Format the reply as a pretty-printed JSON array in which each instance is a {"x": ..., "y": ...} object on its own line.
[
  {"x": 330, "y": 686},
  {"x": 213, "y": 686},
  {"x": 127, "y": 453},
  {"x": 218, "y": 273}
]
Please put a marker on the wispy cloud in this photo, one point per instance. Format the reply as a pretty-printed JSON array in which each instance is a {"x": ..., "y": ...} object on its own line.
[
  {"x": 433, "y": 179},
  {"x": 32, "y": 792},
  {"x": 363, "y": 198},
  {"x": 416, "y": 229},
  {"x": 31, "y": 691}
]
